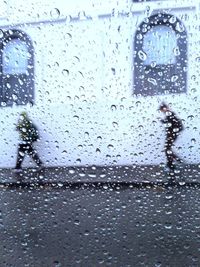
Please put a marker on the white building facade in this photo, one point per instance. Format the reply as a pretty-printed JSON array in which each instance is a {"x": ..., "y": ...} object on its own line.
[{"x": 96, "y": 75}]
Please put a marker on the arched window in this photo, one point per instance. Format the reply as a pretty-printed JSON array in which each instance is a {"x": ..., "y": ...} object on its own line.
[
  {"x": 17, "y": 68},
  {"x": 160, "y": 56}
]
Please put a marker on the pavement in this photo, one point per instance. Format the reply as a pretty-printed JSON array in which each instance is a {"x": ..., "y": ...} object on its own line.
[
  {"x": 107, "y": 221},
  {"x": 135, "y": 175},
  {"x": 93, "y": 227}
]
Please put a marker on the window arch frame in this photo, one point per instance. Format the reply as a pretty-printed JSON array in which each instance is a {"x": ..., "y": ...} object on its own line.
[
  {"x": 23, "y": 93},
  {"x": 142, "y": 71}
]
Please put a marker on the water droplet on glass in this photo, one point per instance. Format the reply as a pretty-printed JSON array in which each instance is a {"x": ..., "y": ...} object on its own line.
[
  {"x": 76, "y": 117},
  {"x": 65, "y": 72},
  {"x": 153, "y": 64},
  {"x": 77, "y": 59},
  {"x": 77, "y": 222},
  {"x": 20, "y": 82},
  {"x": 169, "y": 196},
  {"x": 115, "y": 124},
  {"x": 8, "y": 85},
  {"x": 71, "y": 171},
  {"x": 179, "y": 27},
  {"x": 174, "y": 78},
  {"x": 81, "y": 74},
  {"x": 86, "y": 134},
  {"x": 98, "y": 151},
  {"x": 193, "y": 90},
  {"x": 193, "y": 141},
  {"x": 168, "y": 226},
  {"x": 191, "y": 117},
  {"x": 113, "y": 107},
  {"x": 113, "y": 71},
  {"x": 82, "y": 174},
  {"x": 138, "y": 103},
  {"x": 142, "y": 55},
  {"x": 14, "y": 97},
  {"x": 80, "y": 147},
  {"x": 99, "y": 138},
  {"x": 172, "y": 19},
  {"x": 197, "y": 59},
  {"x": 86, "y": 233},
  {"x": 193, "y": 77},
  {"x": 139, "y": 36},
  {"x": 110, "y": 146},
  {"x": 78, "y": 160},
  {"x": 69, "y": 35},
  {"x": 1, "y": 34},
  {"x": 60, "y": 184},
  {"x": 182, "y": 183},
  {"x": 153, "y": 81},
  {"x": 176, "y": 51},
  {"x": 55, "y": 13}
]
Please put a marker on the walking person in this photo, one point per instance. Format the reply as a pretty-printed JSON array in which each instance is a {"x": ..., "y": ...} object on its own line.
[
  {"x": 173, "y": 127},
  {"x": 28, "y": 135}
]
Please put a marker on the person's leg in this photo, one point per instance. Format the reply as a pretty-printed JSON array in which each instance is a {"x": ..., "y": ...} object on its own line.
[
  {"x": 168, "y": 152},
  {"x": 32, "y": 152},
  {"x": 174, "y": 155},
  {"x": 20, "y": 155}
]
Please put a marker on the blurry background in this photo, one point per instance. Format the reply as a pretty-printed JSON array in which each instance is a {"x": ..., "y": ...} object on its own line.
[{"x": 96, "y": 73}]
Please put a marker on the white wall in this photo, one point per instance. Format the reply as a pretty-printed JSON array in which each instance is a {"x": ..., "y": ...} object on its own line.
[{"x": 89, "y": 115}]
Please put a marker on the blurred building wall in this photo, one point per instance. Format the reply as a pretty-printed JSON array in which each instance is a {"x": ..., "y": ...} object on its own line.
[{"x": 85, "y": 105}]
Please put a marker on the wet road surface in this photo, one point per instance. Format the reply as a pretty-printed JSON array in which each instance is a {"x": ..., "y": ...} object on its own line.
[{"x": 46, "y": 227}]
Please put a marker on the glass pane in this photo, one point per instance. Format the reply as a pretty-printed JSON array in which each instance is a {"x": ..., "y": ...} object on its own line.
[
  {"x": 160, "y": 46},
  {"x": 15, "y": 57},
  {"x": 93, "y": 174}
]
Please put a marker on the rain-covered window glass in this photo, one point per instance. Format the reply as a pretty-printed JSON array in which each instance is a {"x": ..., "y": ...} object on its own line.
[
  {"x": 160, "y": 56},
  {"x": 15, "y": 57},
  {"x": 159, "y": 44},
  {"x": 103, "y": 170},
  {"x": 17, "y": 69}
]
